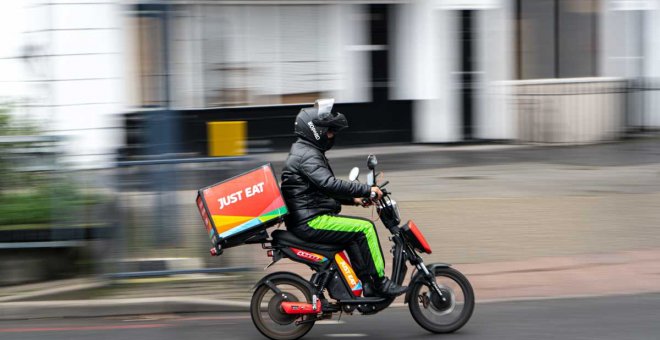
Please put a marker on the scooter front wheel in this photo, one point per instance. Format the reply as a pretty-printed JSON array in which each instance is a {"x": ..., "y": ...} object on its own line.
[
  {"x": 268, "y": 315},
  {"x": 446, "y": 312}
]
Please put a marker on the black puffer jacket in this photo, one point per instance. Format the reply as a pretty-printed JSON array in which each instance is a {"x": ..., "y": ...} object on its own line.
[{"x": 309, "y": 186}]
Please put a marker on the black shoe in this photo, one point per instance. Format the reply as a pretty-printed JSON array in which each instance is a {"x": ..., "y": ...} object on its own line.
[
  {"x": 368, "y": 289},
  {"x": 388, "y": 287}
]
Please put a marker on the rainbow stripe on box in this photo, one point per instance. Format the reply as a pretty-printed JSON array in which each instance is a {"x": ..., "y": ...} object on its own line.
[{"x": 233, "y": 225}]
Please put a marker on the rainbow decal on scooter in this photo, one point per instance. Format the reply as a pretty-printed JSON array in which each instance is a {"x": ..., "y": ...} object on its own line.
[
  {"x": 314, "y": 257},
  {"x": 345, "y": 267}
]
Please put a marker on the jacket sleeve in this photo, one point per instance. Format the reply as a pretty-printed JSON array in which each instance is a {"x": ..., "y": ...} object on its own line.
[
  {"x": 346, "y": 201},
  {"x": 314, "y": 168}
]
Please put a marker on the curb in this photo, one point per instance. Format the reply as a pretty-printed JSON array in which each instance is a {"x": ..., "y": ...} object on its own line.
[
  {"x": 52, "y": 291},
  {"x": 380, "y": 149},
  {"x": 148, "y": 306},
  {"x": 116, "y": 307}
]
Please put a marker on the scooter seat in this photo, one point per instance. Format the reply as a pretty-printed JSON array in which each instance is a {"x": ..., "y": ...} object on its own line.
[{"x": 287, "y": 238}]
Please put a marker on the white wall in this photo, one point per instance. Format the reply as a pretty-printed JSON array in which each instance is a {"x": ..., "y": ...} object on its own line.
[
  {"x": 630, "y": 34},
  {"x": 620, "y": 37},
  {"x": 74, "y": 77},
  {"x": 652, "y": 64},
  {"x": 12, "y": 24},
  {"x": 495, "y": 117},
  {"x": 423, "y": 59},
  {"x": 353, "y": 61}
]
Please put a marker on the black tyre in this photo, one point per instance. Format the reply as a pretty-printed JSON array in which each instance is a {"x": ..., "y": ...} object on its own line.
[
  {"x": 267, "y": 314},
  {"x": 435, "y": 314}
]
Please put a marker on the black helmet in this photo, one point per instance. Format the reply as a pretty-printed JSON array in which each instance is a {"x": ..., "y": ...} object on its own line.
[{"x": 313, "y": 123}]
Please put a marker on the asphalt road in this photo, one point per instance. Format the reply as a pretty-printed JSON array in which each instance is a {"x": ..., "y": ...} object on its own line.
[{"x": 621, "y": 317}]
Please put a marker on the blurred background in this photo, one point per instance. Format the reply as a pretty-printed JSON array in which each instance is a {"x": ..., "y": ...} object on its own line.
[{"x": 513, "y": 129}]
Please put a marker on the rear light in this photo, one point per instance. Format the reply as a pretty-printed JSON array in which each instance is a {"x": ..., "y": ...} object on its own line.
[
  {"x": 269, "y": 253},
  {"x": 214, "y": 251}
]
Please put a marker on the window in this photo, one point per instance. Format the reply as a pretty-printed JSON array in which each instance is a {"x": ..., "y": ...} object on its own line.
[
  {"x": 244, "y": 55},
  {"x": 268, "y": 55},
  {"x": 557, "y": 38},
  {"x": 147, "y": 77}
]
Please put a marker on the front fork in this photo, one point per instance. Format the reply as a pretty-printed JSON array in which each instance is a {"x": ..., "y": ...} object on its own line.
[
  {"x": 431, "y": 279},
  {"x": 402, "y": 252}
]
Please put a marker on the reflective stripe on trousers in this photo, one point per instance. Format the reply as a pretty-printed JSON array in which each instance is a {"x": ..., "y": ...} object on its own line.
[{"x": 353, "y": 225}]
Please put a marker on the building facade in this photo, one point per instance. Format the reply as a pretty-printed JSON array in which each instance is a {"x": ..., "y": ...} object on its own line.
[{"x": 432, "y": 71}]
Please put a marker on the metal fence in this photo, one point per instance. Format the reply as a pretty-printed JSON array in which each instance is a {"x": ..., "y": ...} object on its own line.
[
  {"x": 643, "y": 105},
  {"x": 570, "y": 111},
  {"x": 159, "y": 227},
  {"x": 137, "y": 219},
  {"x": 584, "y": 110}
]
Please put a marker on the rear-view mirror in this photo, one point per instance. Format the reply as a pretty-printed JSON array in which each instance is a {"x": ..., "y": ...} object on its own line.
[{"x": 372, "y": 162}]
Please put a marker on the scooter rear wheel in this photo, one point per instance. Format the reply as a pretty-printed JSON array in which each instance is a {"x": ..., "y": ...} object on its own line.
[
  {"x": 446, "y": 313},
  {"x": 268, "y": 316}
]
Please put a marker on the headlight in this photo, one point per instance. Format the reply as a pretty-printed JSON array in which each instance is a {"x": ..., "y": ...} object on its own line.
[
  {"x": 395, "y": 209},
  {"x": 389, "y": 212}
]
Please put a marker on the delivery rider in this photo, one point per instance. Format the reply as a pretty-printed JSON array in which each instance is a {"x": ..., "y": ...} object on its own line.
[{"x": 314, "y": 196}]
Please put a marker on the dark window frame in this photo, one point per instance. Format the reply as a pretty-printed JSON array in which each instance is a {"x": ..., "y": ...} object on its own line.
[{"x": 557, "y": 13}]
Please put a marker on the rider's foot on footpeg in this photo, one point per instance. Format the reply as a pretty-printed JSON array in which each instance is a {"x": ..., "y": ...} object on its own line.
[
  {"x": 368, "y": 289},
  {"x": 389, "y": 288}
]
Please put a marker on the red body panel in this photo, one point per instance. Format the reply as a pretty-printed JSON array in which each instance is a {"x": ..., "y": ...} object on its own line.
[{"x": 419, "y": 236}]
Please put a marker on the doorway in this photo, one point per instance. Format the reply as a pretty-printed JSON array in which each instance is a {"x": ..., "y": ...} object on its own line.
[{"x": 467, "y": 70}]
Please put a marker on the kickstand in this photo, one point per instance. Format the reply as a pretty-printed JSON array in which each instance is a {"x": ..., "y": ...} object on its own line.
[{"x": 341, "y": 311}]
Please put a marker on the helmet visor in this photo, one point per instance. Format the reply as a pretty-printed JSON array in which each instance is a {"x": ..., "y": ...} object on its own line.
[{"x": 333, "y": 121}]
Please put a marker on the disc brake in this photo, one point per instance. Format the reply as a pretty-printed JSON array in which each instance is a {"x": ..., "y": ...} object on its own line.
[{"x": 424, "y": 300}]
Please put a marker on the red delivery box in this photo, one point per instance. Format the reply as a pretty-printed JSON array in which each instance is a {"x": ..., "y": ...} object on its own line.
[{"x": 239, "y": 208}]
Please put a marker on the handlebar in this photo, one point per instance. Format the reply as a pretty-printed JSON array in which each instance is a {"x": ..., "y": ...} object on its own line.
[
  {"x": 382, "y": 188},
  {"x": 372, "y": 195}
]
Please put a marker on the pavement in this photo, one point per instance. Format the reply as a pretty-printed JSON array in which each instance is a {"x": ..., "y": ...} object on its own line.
[{"x": 522, "y": 222}]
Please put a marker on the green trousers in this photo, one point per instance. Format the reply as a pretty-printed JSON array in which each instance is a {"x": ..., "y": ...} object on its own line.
[{"x": 358, "y": 235}]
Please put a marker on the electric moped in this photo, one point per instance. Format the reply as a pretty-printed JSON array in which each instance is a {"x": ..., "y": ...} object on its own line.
[{"x": 286, "y": 306}]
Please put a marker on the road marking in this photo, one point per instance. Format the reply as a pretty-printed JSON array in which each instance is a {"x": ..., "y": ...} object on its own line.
[
  {"x": 200, "y": 318},
  {"x": 347, "y": 335},
  {"x": 330, "y": 322},
  {"x": 82, "y": 328}
]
